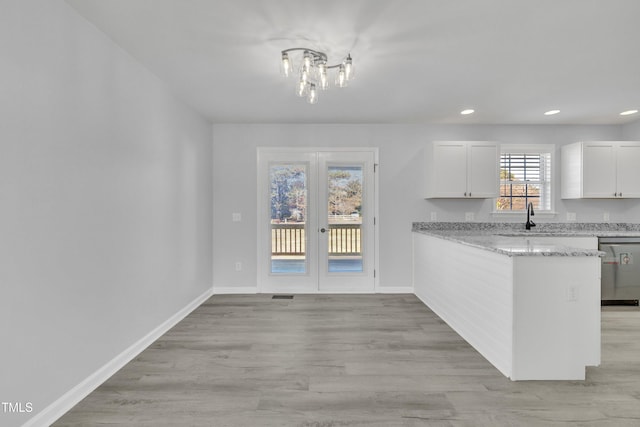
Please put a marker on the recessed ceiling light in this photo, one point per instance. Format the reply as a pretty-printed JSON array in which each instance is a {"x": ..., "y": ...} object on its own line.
[
  {"x": 628, "y": 112},
  {"x": 551, "y": 112},
  {"x": 465, "y": 112}
]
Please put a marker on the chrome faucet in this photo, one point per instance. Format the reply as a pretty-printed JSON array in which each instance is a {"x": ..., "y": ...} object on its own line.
[{"x": 530, "y": 213}]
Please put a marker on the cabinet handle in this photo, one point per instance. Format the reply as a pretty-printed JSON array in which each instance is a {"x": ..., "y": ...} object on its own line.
[
  {"x": 620, "y": 194},
  {"x": 465, "y": 194},
  {"x": 615, "y": 194},
  {"x": 469, "y": 194}
]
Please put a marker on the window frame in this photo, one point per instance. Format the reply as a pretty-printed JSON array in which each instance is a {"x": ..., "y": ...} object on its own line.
[{"x": 531, "y": 149}]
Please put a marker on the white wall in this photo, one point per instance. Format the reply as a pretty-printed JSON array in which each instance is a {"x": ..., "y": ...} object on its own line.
[
  {"x": 401, "y": 190},
  {"x": 105, "y": 202},
  {"x": 631, "y": 131}
]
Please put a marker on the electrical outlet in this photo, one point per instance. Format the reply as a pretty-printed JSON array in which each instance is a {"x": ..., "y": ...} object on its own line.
[
  {"x": 571, "y": 216},
  {"x": 605, "y": 217},
  {"x": 573, "y": 293},
  {"x": 238, "y": 266},
  {"x": 469, "y": 216},
  {"x": 434, "y": 216},
  {"x": 236, "y": 217}
]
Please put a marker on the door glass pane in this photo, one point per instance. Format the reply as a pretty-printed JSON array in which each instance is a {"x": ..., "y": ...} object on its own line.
[
  {"x": 288, "y": 185},
  {"x": 344, "y": 218}
]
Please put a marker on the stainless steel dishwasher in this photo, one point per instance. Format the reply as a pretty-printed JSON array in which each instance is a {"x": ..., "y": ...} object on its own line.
[{"x": 620, "y": 270}]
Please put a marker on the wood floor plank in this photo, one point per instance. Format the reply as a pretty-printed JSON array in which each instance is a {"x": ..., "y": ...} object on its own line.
[{"x": 350, "y": 360}]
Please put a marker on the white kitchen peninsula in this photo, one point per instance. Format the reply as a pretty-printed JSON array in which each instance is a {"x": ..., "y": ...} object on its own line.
[{"x": 530, "y": 305}]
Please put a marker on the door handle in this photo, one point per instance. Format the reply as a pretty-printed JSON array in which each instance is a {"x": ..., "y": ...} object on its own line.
[{"x": 322, "y": 230}]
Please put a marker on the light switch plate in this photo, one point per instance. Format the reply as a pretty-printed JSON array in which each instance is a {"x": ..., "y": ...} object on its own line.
[
  {"x": 573, "y": 293},
  {"x": 469, "y": 216},
  {"x": 434, "y": 216},
  {"x": 236, "y": 217},
  {"x": 605, "y": 217},
  {"x": 571, "y": 216}
]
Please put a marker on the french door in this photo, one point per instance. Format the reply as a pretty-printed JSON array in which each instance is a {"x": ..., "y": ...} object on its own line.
[{"x": 316, "y": 221}]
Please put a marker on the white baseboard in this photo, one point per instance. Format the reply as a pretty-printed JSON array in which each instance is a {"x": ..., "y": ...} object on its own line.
[
  {"x": 423, "y": 301},
  {"x": 225, "y": 290},
  {"x": 71, "y": 398},
  {"x": 395, "y": 290}
]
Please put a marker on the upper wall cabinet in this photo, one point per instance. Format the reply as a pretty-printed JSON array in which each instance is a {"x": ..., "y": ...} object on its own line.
[
  {"x": 601, "y": 170},
  {"x": 462, "y": 169}
]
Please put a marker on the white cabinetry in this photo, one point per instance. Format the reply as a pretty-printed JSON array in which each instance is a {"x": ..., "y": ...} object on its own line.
[
  {"x": 462, "y": 169},
  {"x": 601, "y": 169}
]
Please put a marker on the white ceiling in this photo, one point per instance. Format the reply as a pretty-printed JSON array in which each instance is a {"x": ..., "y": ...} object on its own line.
[{"x": 417, "y": 61}]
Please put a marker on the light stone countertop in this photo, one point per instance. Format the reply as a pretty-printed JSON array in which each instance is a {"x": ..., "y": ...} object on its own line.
[{"x": 512, "y": 239}]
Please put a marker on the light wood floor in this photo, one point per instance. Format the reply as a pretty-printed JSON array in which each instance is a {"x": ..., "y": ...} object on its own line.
[{"x": 344, "y": 360}]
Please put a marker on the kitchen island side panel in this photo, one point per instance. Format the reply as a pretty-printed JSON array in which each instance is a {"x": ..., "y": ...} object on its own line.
[
  {"x": 557, "y": 317},
  {"x": 471, "y": 290}
]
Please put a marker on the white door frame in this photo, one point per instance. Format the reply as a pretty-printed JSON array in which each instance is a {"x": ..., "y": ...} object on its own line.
[{"x": 266, "y": 152}]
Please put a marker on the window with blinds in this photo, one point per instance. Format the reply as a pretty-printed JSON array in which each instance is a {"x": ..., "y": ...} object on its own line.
[{"x": 524, "y": 177}]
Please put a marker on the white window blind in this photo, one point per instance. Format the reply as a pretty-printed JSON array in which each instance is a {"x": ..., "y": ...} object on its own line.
[{"x": 525, "y": 176}]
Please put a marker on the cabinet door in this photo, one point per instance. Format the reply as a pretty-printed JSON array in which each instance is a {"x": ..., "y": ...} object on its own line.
[
  {"x": 482, "y": 168},
  {"x": 449, "y": 169},
  {"x": 598, "y": 170},
  {"x": 628, "y": 176}
]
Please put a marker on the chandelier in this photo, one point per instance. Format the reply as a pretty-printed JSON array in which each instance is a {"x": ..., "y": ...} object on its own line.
[{"x": 314, "y": 72}]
